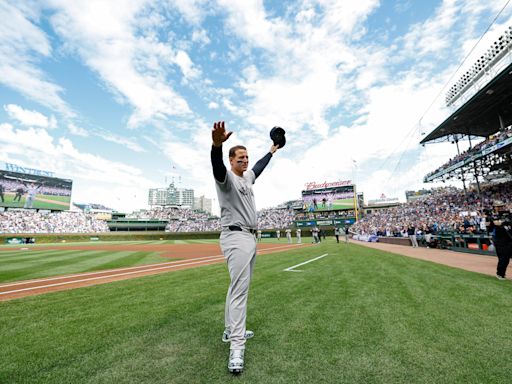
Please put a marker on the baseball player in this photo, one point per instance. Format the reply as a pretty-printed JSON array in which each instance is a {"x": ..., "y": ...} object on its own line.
[
  {"x": 337, "y": 234},
  {"x": 278, "y": 234},
  {"x": 32, "y": 190},
  {"x": 298, "y": 234},
  {"x": 316, "y": 237},
  {"x": 19, "y": 193},
  {"x": 237, "y": 240},
  {"x": 259, "y": 235},
  {"x": 289, "y": 235}
]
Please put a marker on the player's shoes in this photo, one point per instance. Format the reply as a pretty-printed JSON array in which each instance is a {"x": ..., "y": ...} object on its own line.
[
  {"x": 236, "y": 360},
  {"x": 500, "y": 277},
  {"x": 226, "y": 336}
]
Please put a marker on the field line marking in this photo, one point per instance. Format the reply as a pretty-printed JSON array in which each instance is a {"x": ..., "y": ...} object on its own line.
[
  {"x": 285, "y": 246},
  {"x": 100, "y": 272},
  {"x": 290, "y": 269},
  {"x": 268, "y": 250},
  {"x": 106, "y": 277}
]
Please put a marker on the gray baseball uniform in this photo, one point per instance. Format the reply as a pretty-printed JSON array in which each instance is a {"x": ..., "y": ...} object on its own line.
[
  {"x": 289, "y": 235},
  {"x": 31, "y": 195},
  {"x": 237, "y": 240}
]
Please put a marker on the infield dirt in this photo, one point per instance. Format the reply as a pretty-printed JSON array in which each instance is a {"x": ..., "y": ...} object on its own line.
[{"x": 184, "y": 256}]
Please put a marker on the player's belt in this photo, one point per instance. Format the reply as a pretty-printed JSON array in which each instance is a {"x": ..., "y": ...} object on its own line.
[{"x": 240, "y": 229}]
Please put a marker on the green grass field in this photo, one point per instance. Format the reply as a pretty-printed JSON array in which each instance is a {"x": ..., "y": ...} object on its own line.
[
  {"x": 41, "y": 263},
  {"x": 35, "y": 261},
  {"x": 356, "y": 316}
]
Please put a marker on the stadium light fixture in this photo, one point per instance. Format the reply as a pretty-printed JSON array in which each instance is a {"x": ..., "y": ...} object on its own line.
[{"x": 496, "y": 51}]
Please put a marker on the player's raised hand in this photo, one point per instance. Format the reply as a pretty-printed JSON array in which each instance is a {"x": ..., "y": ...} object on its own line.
[
  {"x": 274, "y": 148},
  {"x": 219, "y": 134}
]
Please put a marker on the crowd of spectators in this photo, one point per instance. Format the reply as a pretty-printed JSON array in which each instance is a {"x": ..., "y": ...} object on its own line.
[
  {"x": 489, "y": 142},
  {"x": 325, "y": 215},
  {"x": 275, "y": 218},
  {"x": 24, "y": 221},
  {"x": 446, "y": 209},
  {"x": 179, "y": 220},
  {"x": 189, "y": 220}
]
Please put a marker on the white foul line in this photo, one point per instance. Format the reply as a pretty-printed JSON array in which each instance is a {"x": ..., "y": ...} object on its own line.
[
  {"x": 137, "y": 267},
  {"x": 107, "y": 277},
  {"x": 141, "y": 269},
  {"x": 298, "y": 265}
]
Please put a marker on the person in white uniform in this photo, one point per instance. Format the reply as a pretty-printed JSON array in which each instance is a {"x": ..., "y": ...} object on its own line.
[
  {"x": 32, "y": 190},
  {"x": 237, "y": 239},
  {"x": 289, "y": 235}
]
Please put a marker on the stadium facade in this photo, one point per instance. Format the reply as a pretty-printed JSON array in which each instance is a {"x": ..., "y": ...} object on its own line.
[
  {"x": 171, "y": 196},
  {"x": 481, "y": 112}
]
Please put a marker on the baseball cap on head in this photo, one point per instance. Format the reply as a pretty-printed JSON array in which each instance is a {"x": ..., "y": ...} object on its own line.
[{"x": 277, "y": 136}]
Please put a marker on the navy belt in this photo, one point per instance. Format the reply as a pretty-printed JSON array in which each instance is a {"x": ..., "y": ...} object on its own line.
[{"x": 240, "y": 229}]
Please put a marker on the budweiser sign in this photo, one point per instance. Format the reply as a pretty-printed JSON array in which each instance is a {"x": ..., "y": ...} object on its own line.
[{"x": 325, "y": 184}]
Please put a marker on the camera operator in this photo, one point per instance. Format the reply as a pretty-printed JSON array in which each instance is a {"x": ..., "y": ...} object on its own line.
[{"x": 500, "y": 227}]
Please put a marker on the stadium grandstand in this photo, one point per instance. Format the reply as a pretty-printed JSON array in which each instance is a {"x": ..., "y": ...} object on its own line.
[
  {"x": 480, "y": 105},
  {"x": 190, "y": 220},
  {"x": 481, "y": 111},
  {"x": 34, "y": 221}
]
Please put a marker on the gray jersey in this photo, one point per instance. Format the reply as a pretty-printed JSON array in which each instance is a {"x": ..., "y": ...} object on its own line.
[{"x": 236, "y": 200}]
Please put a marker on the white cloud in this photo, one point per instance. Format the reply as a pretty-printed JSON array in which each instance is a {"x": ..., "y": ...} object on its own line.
[
  {"x": 78, "y": 131},
  {"x": 133, "y": 66},
  {"x": 30, "y": 118},
  {"x": 201, "y": 37},
  {"x": 192, "y": 10},
  {"x": 213, "y": 105},
  {"x": 308, "y": 61},
  {"x": 129, "y": 143},
  {"x": 186, "y": 65},
  {"x": 430, "y": 36},
  {"x": 22, "y": 46}
]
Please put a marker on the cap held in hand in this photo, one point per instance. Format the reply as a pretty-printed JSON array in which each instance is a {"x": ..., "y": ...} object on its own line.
[{"x": 277, "y": 136}]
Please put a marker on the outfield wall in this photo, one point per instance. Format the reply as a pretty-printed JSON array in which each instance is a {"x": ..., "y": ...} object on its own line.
[
  {"x": 110, "y": 236},
  {"x": 44, "y": 238}
]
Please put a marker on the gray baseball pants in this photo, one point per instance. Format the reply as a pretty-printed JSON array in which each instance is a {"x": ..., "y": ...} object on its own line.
[{"x": 239, "y": 249}]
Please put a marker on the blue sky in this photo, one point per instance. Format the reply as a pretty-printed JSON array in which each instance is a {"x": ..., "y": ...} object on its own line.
[{"x": 120, "y": 96}]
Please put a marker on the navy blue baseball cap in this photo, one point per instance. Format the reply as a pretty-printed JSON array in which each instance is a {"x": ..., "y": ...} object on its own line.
[{"x": 277, "y": 136}]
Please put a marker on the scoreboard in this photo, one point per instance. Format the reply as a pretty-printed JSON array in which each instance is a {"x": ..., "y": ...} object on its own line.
[{"x": 329, "y": 197}]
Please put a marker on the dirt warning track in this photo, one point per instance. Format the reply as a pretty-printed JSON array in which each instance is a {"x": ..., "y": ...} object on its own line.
[{"x": 189, "y": 255}]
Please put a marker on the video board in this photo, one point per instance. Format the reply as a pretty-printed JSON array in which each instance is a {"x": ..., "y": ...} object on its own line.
[
  {"x": 23, "y": 190},
  {"x": 334, "y": 198}
]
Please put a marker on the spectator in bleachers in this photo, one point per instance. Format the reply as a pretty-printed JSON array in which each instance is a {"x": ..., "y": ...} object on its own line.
[
  {"x": 445, "y": 209},
  {"x": 499, "y": 136},
  {"x": 189, "y": 220},
  {"x": 14, "y": 221}
]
